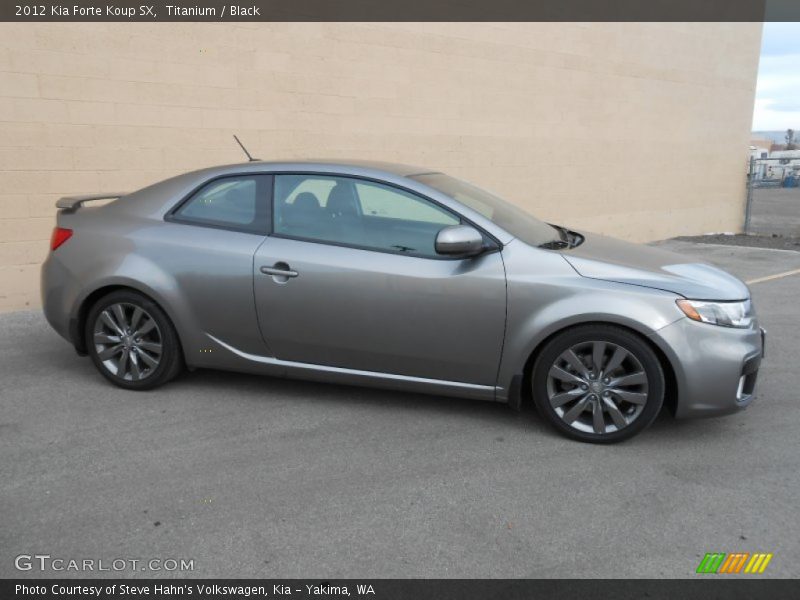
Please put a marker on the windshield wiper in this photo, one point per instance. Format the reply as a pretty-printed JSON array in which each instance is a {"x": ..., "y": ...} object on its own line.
[
  {"x": 555, "y": 245},
  {"x": 568, "y": 239},
  {"x": 562, "y": 242}
]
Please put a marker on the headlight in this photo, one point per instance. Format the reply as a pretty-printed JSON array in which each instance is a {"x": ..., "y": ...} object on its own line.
[{"x": 727, "y": 314}]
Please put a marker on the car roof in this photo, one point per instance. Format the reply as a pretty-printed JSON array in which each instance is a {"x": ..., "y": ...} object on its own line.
[
  {"x": 365, "y": 167},
  {"x": 155, "y": 194}
]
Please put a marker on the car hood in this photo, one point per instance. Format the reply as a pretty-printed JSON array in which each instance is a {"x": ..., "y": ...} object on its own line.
[{"x": 601, "y": 257}]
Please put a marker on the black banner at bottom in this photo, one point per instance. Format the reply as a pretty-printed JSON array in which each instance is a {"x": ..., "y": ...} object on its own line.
[{"x": 706, "y": 588}]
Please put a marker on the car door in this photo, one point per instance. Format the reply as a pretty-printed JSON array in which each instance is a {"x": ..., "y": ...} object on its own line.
[
  {"x": 207, "y": 244},
  {"x": 349, "y": 278}
]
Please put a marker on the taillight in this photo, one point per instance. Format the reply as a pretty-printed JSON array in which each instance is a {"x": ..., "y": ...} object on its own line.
[{"x": 60, "y": 235}]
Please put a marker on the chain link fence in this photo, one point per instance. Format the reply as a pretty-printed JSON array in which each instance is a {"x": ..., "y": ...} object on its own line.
[{"x": 773, "y": 195}]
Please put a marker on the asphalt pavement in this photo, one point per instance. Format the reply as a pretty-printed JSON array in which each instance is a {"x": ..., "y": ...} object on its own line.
[
  {"x": 258, "y": 477},
  {"x": 776, "y": 211}
]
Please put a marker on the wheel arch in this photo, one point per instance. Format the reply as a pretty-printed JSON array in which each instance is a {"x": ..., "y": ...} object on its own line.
[
  {"x": 78, "y": 322},
  {"x": 520, "y": 392}
]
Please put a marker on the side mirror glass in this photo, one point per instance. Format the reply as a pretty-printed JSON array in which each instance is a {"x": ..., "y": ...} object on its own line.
[{"x": 459, "y": 240}]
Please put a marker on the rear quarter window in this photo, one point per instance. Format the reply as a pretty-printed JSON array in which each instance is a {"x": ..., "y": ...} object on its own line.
[{"x": 238, "y": 203}]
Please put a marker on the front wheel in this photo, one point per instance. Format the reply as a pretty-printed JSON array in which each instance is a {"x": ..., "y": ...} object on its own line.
[
  {"x": 132, "y": 341},
  {"x": 598, "y": 383}
]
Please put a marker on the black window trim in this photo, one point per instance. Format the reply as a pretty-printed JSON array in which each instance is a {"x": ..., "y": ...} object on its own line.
[
  {"x": 172, "y": 214},
  {"x": 494, "y": 244}
]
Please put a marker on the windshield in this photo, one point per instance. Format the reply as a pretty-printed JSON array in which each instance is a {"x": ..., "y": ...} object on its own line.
[{"x": 504, "y": 214}]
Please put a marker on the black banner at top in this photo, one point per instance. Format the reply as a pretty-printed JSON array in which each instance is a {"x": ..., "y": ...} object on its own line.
[{"x": 398, "y": 10}]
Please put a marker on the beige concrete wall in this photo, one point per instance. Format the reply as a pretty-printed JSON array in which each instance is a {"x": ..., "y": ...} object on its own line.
[{"x": 635, "y": 130}]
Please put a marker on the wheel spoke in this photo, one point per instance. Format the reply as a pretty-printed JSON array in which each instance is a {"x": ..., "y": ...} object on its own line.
[
  {"x": 109, "y": 321},
  {"x": 616, "y": 414},
  {"x": 564, "y": 397},
  {"x": 148, "y": 360},
  {"x": 104, "y": 338},
  {"x": 632, "y": 397},
  {"x": 575, "y": 362},
  {"x": 119, "y": 313},
  {"x": 632, "y": 379},
  {"x": 122, "y": 365},
  {"x": 616, "y": 359},
  {"x": 576, "y": 410},
  {"x": 136, "y": 372},
  {"x": 110, "y": 352},
  {"x": 146, "y": 328},
  {"x": 136, "y": 317},
  {"x": 150, "y": 347},
  {"x": 561, "y": 374},
  {"x": 598, "y": 422},
  {"x": 598, "y": 352}
]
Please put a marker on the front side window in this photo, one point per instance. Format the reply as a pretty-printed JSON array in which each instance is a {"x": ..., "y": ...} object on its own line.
[
  {"x": 231, "y": 202},
  {"x": 359, "y": 213},
  {"x": 516, "y": 221}
]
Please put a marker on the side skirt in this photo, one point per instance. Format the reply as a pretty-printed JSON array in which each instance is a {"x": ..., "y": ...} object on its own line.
[{"x": 311, "y": 372}]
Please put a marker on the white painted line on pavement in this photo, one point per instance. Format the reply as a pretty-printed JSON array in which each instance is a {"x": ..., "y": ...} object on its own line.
[
  {"x": 737, "y": 247},
  {"x": 771, "y": 277}
]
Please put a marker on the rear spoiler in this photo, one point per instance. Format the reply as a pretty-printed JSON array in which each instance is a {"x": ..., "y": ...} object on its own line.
[{"x": 72, "y": 203}]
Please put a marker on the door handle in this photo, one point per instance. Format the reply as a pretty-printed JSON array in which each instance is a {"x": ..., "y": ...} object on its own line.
[{"x": 279, "y": 270}]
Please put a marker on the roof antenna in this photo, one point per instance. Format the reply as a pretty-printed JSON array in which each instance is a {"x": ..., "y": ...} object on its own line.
[{"x": 241, "y": 145}]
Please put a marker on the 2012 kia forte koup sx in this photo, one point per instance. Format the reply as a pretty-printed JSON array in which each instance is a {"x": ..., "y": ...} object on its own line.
[{"x": 396, "y": 276}]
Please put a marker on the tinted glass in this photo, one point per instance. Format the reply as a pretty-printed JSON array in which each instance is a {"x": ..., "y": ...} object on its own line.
[
  {"x": 379, "y": 201},
  {"x": 504, "y": 214},
  {"x": 358, "y": 213},
  {"x": 234, "y": 202}
]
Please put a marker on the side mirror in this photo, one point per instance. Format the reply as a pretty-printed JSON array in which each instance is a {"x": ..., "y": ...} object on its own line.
[{"x": 459, "y": 240}]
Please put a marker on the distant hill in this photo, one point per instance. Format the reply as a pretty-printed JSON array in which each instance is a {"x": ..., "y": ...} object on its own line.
[{"x": 778, "y": 137}]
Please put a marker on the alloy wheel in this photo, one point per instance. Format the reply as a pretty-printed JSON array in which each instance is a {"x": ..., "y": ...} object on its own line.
[
  {"x": 127, "y": 341},
  {"x": 597, "y": 387}
]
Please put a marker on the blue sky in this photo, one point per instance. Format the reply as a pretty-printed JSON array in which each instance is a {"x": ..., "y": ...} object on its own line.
[{"x": 778, "y": 91}]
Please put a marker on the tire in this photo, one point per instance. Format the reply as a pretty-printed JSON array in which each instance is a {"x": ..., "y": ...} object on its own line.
[
  {"x": 127, "y": 323},
  {"x": 601, "y": 405}
]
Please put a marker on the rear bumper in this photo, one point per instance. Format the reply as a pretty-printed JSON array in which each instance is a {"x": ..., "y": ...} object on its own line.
[
  {"x": 716, "y": 368},
  {"x": 59, "y": 295}
]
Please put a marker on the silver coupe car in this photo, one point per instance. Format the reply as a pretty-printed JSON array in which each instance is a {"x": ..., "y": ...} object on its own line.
[{"x": 399, "y": 277}]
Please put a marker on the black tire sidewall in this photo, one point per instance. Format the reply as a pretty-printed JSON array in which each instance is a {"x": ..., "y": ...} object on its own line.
[
  {"x": 609, "y": 333},
  {"x": 171, "y": 356}
]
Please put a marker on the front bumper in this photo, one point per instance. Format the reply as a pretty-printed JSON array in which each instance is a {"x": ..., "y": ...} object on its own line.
[{"x": 715, "y": 367}]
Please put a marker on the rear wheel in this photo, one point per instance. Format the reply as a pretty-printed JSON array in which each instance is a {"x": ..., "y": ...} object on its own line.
[
  {"x": 598, "y": 383},
  {"x": 132, "y": 341}
]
